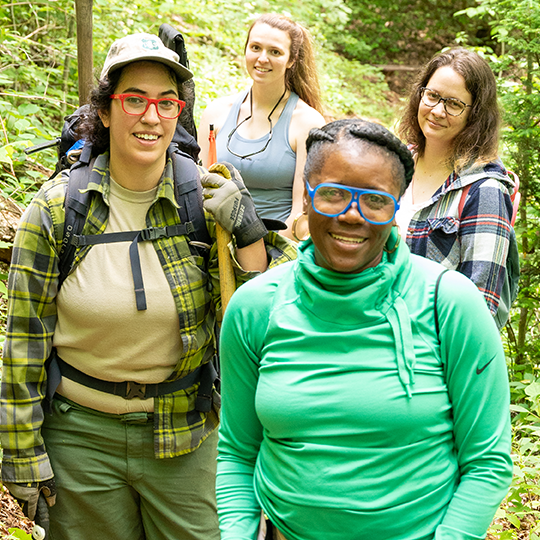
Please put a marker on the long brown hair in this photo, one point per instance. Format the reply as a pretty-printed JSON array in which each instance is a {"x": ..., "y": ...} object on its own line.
[
  {"x": 478, "y": 142},
  {"x": 301, "y": 77}
]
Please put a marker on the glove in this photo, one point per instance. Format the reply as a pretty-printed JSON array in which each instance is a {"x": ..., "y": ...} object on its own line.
[
  {"x": 28, "y": 495},
  {"x": 228, "y": 200},
  {"x": 274, "y": 224}
]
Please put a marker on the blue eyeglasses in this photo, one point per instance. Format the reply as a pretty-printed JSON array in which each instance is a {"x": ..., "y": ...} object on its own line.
[{"x": 332, "y": 200}]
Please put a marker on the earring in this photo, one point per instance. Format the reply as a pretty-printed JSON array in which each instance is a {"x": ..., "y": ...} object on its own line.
[
  {"x": 395, "y": 245},
  {"x": 294, "y": 227}
]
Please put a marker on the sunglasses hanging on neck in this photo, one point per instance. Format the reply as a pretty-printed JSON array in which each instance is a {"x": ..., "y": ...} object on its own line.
[{"x": 246, "y": 156}]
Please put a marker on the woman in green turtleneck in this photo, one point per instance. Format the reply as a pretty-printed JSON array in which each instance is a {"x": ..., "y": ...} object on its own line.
[{"x": 347, "y": 414}]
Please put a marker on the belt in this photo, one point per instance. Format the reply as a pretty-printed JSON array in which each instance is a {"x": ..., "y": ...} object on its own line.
[{"x": 205, "y": 374}]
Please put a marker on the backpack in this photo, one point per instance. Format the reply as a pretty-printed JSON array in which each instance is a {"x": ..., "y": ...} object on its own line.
[{"x": 511, "y": 283}]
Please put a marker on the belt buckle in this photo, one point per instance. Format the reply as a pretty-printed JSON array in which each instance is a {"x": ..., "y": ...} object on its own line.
[{"x": 135, "y": 390}]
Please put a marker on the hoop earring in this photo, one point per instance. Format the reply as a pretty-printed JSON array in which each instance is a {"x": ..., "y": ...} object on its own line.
[
  {"x": 395, "y": 245},
  {"x": 295, "y": 227}
]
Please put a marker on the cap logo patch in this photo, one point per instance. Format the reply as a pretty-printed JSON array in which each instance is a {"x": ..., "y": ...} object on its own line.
[{"x": 150, "y": 44}]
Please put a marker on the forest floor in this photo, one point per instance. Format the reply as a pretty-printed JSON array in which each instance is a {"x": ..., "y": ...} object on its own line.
[{"x": 11, "y": 516}]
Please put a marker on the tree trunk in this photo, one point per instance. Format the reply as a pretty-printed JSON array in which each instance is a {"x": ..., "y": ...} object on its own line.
[{"x": 83, "y": 11}]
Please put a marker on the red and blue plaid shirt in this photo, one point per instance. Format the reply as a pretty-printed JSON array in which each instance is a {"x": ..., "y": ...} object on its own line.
[{"x": 475, "y": 243}]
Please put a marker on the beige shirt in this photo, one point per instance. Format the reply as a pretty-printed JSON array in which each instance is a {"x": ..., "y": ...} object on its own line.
[{"x": 99, "y": 330}]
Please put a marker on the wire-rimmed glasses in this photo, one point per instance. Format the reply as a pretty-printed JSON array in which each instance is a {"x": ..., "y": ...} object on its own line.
[
  {"x": 136, "y": 105},
  {"x": 453, "y": 106},
  {"x": 331, "y": 200}
]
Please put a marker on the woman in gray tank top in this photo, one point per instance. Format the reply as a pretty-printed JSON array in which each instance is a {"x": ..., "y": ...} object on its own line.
[{"x": 262, "y": 130}]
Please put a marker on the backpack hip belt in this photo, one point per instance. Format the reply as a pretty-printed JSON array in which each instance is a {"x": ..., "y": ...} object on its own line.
[{"x": 205, "y": 374}]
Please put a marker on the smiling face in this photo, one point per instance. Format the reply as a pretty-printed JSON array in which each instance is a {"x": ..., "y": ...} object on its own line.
[
  {"x": 348, "y": 243},
  {"x": 140, "y": 141},
  {"x": 436, "y": 124},
  {"x": 268, "y": 53}
]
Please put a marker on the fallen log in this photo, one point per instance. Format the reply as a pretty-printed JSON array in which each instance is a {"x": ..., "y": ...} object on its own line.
[{"x": 10, "y": 214}]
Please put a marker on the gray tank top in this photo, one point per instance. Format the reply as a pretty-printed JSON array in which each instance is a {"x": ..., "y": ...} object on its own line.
[{"x": 269, "y": 175}]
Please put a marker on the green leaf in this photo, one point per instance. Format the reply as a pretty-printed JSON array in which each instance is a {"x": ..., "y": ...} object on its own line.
[
  {"x": 514, "y": 520},
  {"x": 533, "y": 389},
  {"x": 22, "y": 124},
  {"x": 518, "y": 408},
  {"x": 20, "y": 534},
  {"x": 28, "y": 108}
]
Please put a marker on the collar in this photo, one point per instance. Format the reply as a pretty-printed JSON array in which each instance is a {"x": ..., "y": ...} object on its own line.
[{"x": 100, "y": 180}]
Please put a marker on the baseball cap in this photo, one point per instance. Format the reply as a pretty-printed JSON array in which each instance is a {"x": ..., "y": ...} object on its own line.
[{"x": 139, "y": 47}]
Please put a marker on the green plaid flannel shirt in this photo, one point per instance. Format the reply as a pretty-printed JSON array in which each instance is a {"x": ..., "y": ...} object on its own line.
[{"x": 33, "y": 286}]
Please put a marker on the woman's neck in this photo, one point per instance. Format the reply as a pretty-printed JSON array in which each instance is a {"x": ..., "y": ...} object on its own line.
[
  {"x": 258, "y": 107},
  {"x": 136, "y": 177},
  {"x": 431, "y": 171},
  {"x": 266, "y": 96}
]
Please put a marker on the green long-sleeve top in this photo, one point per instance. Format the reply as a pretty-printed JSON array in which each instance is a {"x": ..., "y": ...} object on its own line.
[{"x": 345, "y": 416}]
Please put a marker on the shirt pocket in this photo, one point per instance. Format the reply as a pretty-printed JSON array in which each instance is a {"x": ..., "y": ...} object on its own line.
[{"x": 443, "y": 241}]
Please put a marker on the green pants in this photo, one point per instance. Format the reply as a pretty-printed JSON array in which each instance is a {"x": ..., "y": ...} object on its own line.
[{"x": 111, "y": 486}]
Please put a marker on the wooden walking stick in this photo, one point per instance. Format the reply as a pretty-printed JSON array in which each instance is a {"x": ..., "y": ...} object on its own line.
[
  {"x": 85, "y": 58},
  {"x": 226, "y": 272}
]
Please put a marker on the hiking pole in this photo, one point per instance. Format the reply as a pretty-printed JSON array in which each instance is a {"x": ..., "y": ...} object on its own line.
[
  {"x": 226, "y": 272},
  {"x": 85, "y": 59}
]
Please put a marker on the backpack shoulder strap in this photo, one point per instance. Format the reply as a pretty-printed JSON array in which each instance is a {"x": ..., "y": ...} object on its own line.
[
  {"x": 435, "y": 298},
  {"x": 188, "y": 194},
  {"x": 464, "y": 193},
  {"x": 515, "y": 196},
  {"x": 76, "y": 207}
]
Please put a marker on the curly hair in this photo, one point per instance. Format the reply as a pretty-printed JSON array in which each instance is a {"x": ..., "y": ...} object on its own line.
[
  {"x": 91, "y": 128},
  {"x": 478, "y": 142},
  {"x": 372, "y": 135},
  {"x": 302, "y": 77}
]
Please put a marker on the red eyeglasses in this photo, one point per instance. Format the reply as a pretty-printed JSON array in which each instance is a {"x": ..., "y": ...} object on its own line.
[{"x": 136, "y": 105}]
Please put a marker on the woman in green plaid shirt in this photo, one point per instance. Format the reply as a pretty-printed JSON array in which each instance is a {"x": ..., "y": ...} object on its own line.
[{"x": 127, "y": 450}]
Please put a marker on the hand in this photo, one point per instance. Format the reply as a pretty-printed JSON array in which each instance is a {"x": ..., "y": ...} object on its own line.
[
  {"x": 228, "y": 200},
  {"x": 28, "y": 495}
]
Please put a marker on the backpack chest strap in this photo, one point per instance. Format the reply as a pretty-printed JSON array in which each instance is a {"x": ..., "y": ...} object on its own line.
[
  {"x": 145, "y": 235},
  {"x": 151, "y": 233}
]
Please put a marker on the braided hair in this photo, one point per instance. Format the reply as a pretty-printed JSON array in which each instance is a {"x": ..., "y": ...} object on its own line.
[{"x": 373, "y": 135}]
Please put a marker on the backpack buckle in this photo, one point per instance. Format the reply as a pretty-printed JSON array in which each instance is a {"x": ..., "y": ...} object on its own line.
[
  {"x": 135, "y": 390},
  {"x": 153, "y": 233}
]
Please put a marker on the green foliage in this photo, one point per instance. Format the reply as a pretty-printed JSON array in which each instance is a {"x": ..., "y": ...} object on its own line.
[
  {"x": 521, "y": 507},
  {"x": 18, "y": 534},
  {"x": 34, "y": 66},
  {"x": 386, "y": 31}
]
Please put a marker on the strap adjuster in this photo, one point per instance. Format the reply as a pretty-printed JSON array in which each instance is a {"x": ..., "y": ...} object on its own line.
[
  {"x": 153, "y": 233},
  {"x": 135, "y": 390}
]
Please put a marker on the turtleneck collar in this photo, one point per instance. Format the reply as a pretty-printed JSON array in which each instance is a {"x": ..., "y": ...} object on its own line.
[
  {"x": 370, "y": 297},
  {"x": 330, "y": 295}
]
